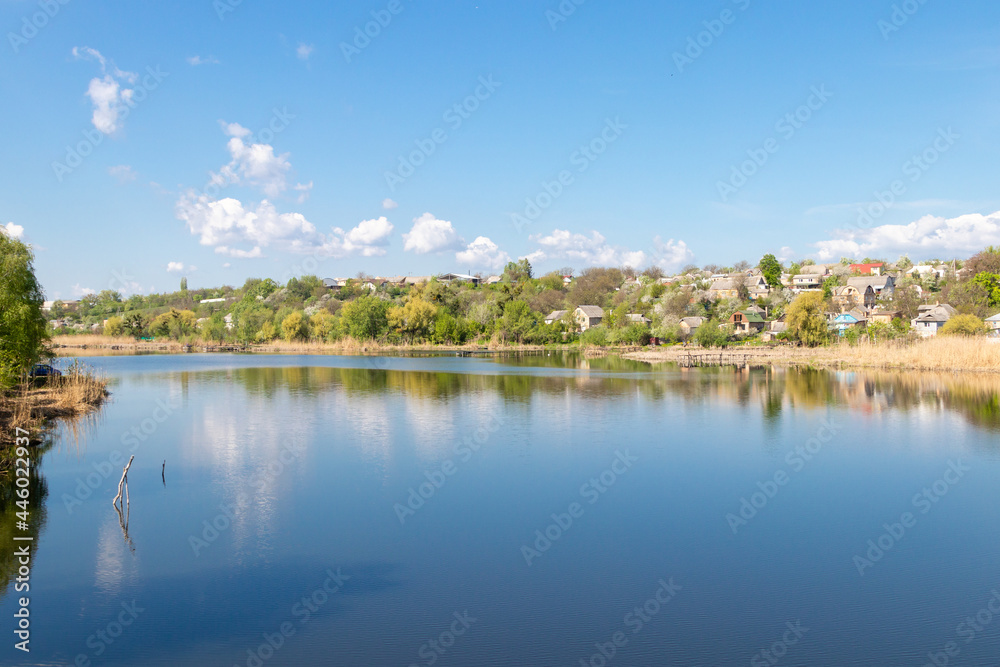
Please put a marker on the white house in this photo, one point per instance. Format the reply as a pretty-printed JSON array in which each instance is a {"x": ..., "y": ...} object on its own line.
[{"x": 931, "y": 318}]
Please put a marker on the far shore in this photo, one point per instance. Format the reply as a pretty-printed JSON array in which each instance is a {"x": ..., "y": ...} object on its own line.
[{"x": 948, "y": 354}]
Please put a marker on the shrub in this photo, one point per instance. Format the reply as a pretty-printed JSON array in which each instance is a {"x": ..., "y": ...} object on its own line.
[{"x": 964, "y": 325}]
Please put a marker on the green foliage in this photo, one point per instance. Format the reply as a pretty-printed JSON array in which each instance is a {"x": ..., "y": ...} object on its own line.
[
  {"x": 807, "y": 321},
  {"x": 517, "y": 321},
  {"x": 595, "y": 336},
  {"x": 295, "y": 327},
  {"x": 184, "y": 284},
  {"x": 115, "y": 326},
  {"x": 135, "y": 325},
  {"x": 711, "y": 334},
  {"x": 770, "y": 267},
  {"x": 964, "y": 325},
  {"x": 990, "y": 282},
  {"x": 414, "y": 319},
  {"x": 23, "y": 333},
  {"x": 517, "y": 272},
  {"x": 366, "y": 317},
  {"x": 829, "y": 285}
]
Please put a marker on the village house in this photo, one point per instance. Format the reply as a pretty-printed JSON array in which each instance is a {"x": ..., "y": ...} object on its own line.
[
  {"x": 884, "y": 316},
  {"x": 747, "y": 322},
  {"x": 994, "y": 324},
  {"x": 555, "y": 316},
  {"x": 874, "y": 269},
  {"x": 635, "y": 318},
  {"x": 689, "y": 325},
  {"x": 930, "y": 319},
  {"x": 881, "y": 287},
  {"x": 449, "y": 278},
  {"x": 807, "y": 281},
  {"x": 728, "y": 287},
  {"x": 845, "y": 321},
  {"x": 588, "y": 316}
]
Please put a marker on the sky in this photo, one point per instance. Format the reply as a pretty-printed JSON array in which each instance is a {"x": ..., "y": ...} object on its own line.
[{"x": 218, "y": 140}]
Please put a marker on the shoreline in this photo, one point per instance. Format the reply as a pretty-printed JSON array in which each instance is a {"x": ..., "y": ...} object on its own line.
[
  {"x": 947, "y": 354},
  {"x": 954, "y": 355}
]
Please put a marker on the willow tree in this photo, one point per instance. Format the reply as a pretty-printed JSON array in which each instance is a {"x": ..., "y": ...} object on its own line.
[{"x": 23, "y": 336}]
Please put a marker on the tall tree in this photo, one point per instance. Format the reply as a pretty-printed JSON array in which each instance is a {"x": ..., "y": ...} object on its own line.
[
  {"x": 806, "y": 320},
  {"x": 23, "y": 335},
  {"x": 770, "y": 267}
]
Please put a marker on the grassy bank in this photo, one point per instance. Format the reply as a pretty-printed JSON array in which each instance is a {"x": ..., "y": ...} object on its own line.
[
  {"x": 31, "y": 408},
  {"x": 942, "y": 353},
  {"x": 94, "y": 345}
]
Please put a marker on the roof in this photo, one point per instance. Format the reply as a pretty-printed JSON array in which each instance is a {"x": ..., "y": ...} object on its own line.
[
  {"x": 693, "y": 322},
  {"x": 995, "y": 318},
  {"x": 556, "y": 315},
  {"x": 750, "y": 315},
  {"x": 866, "y": 267},
  {"x": 938, "y": 313},
  {"x": 724, "y": 284},
  {"x": 875, "y": 282},
  {"x": 591, "y": 311},
  {"x": 638, "y": 318}
]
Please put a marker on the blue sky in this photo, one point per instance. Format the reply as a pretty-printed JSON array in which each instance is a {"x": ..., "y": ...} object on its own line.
[{"x": 233, "y": 140}]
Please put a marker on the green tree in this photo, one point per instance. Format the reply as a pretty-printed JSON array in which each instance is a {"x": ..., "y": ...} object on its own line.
[
  {"x": 806, "y": 319},
  {"x": 184, "y": 284},
  {"x": 517, "y": 321},
  {"x": 964, "y": 325},
  {"x": 366, "y": 317},
  {"x": 710, "y": 334},
  {"x": 770, "y": 267},
  {"x": 517, "y": 272},
  {"x": 990, "y": 282},
  {"x": 294, "y": 327},
  {"x": 115, "y": 326},
  {"x": 23, "y": 334},
  {"x": 413, "y": 319}
]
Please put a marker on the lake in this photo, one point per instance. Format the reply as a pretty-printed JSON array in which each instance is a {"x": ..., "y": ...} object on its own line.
[{"x": 546, "y": 510}]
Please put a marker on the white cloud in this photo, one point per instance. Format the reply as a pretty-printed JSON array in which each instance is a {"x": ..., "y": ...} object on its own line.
[
  {"x": 930, "y": 236},
  {"x": 13, "y": 231},
  {"x": 389, "y": 204},
  {"x": 670, "y": 256},
  {"x": 368, "y": 239},
  {"x": 593, "y": 250},
  {"x": 303, "y": 189},
  {"x": 429, "y": 234},
  {"x": 107, "y": 93},
  {"x": 482, "y": 253},
  {"x": 255, "y": 253},
  {"x": 254, "y": 164},
  {"x": 175, "y": 267},
  {"x": 228, "y": 224},
  {"x": 304, "y": 50},
  {"x": 79, "y": 291},
  {"x": 123, "y": 172},
  {"x": 195, "y": 61},
  {"x": 786, "y": 254}
]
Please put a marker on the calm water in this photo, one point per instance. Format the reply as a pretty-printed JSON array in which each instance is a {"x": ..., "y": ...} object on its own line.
[{"x": 543, "y": 511}]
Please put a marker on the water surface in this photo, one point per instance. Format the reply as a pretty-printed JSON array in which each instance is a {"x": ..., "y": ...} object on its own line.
[{"x": 371, "y": 511}]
